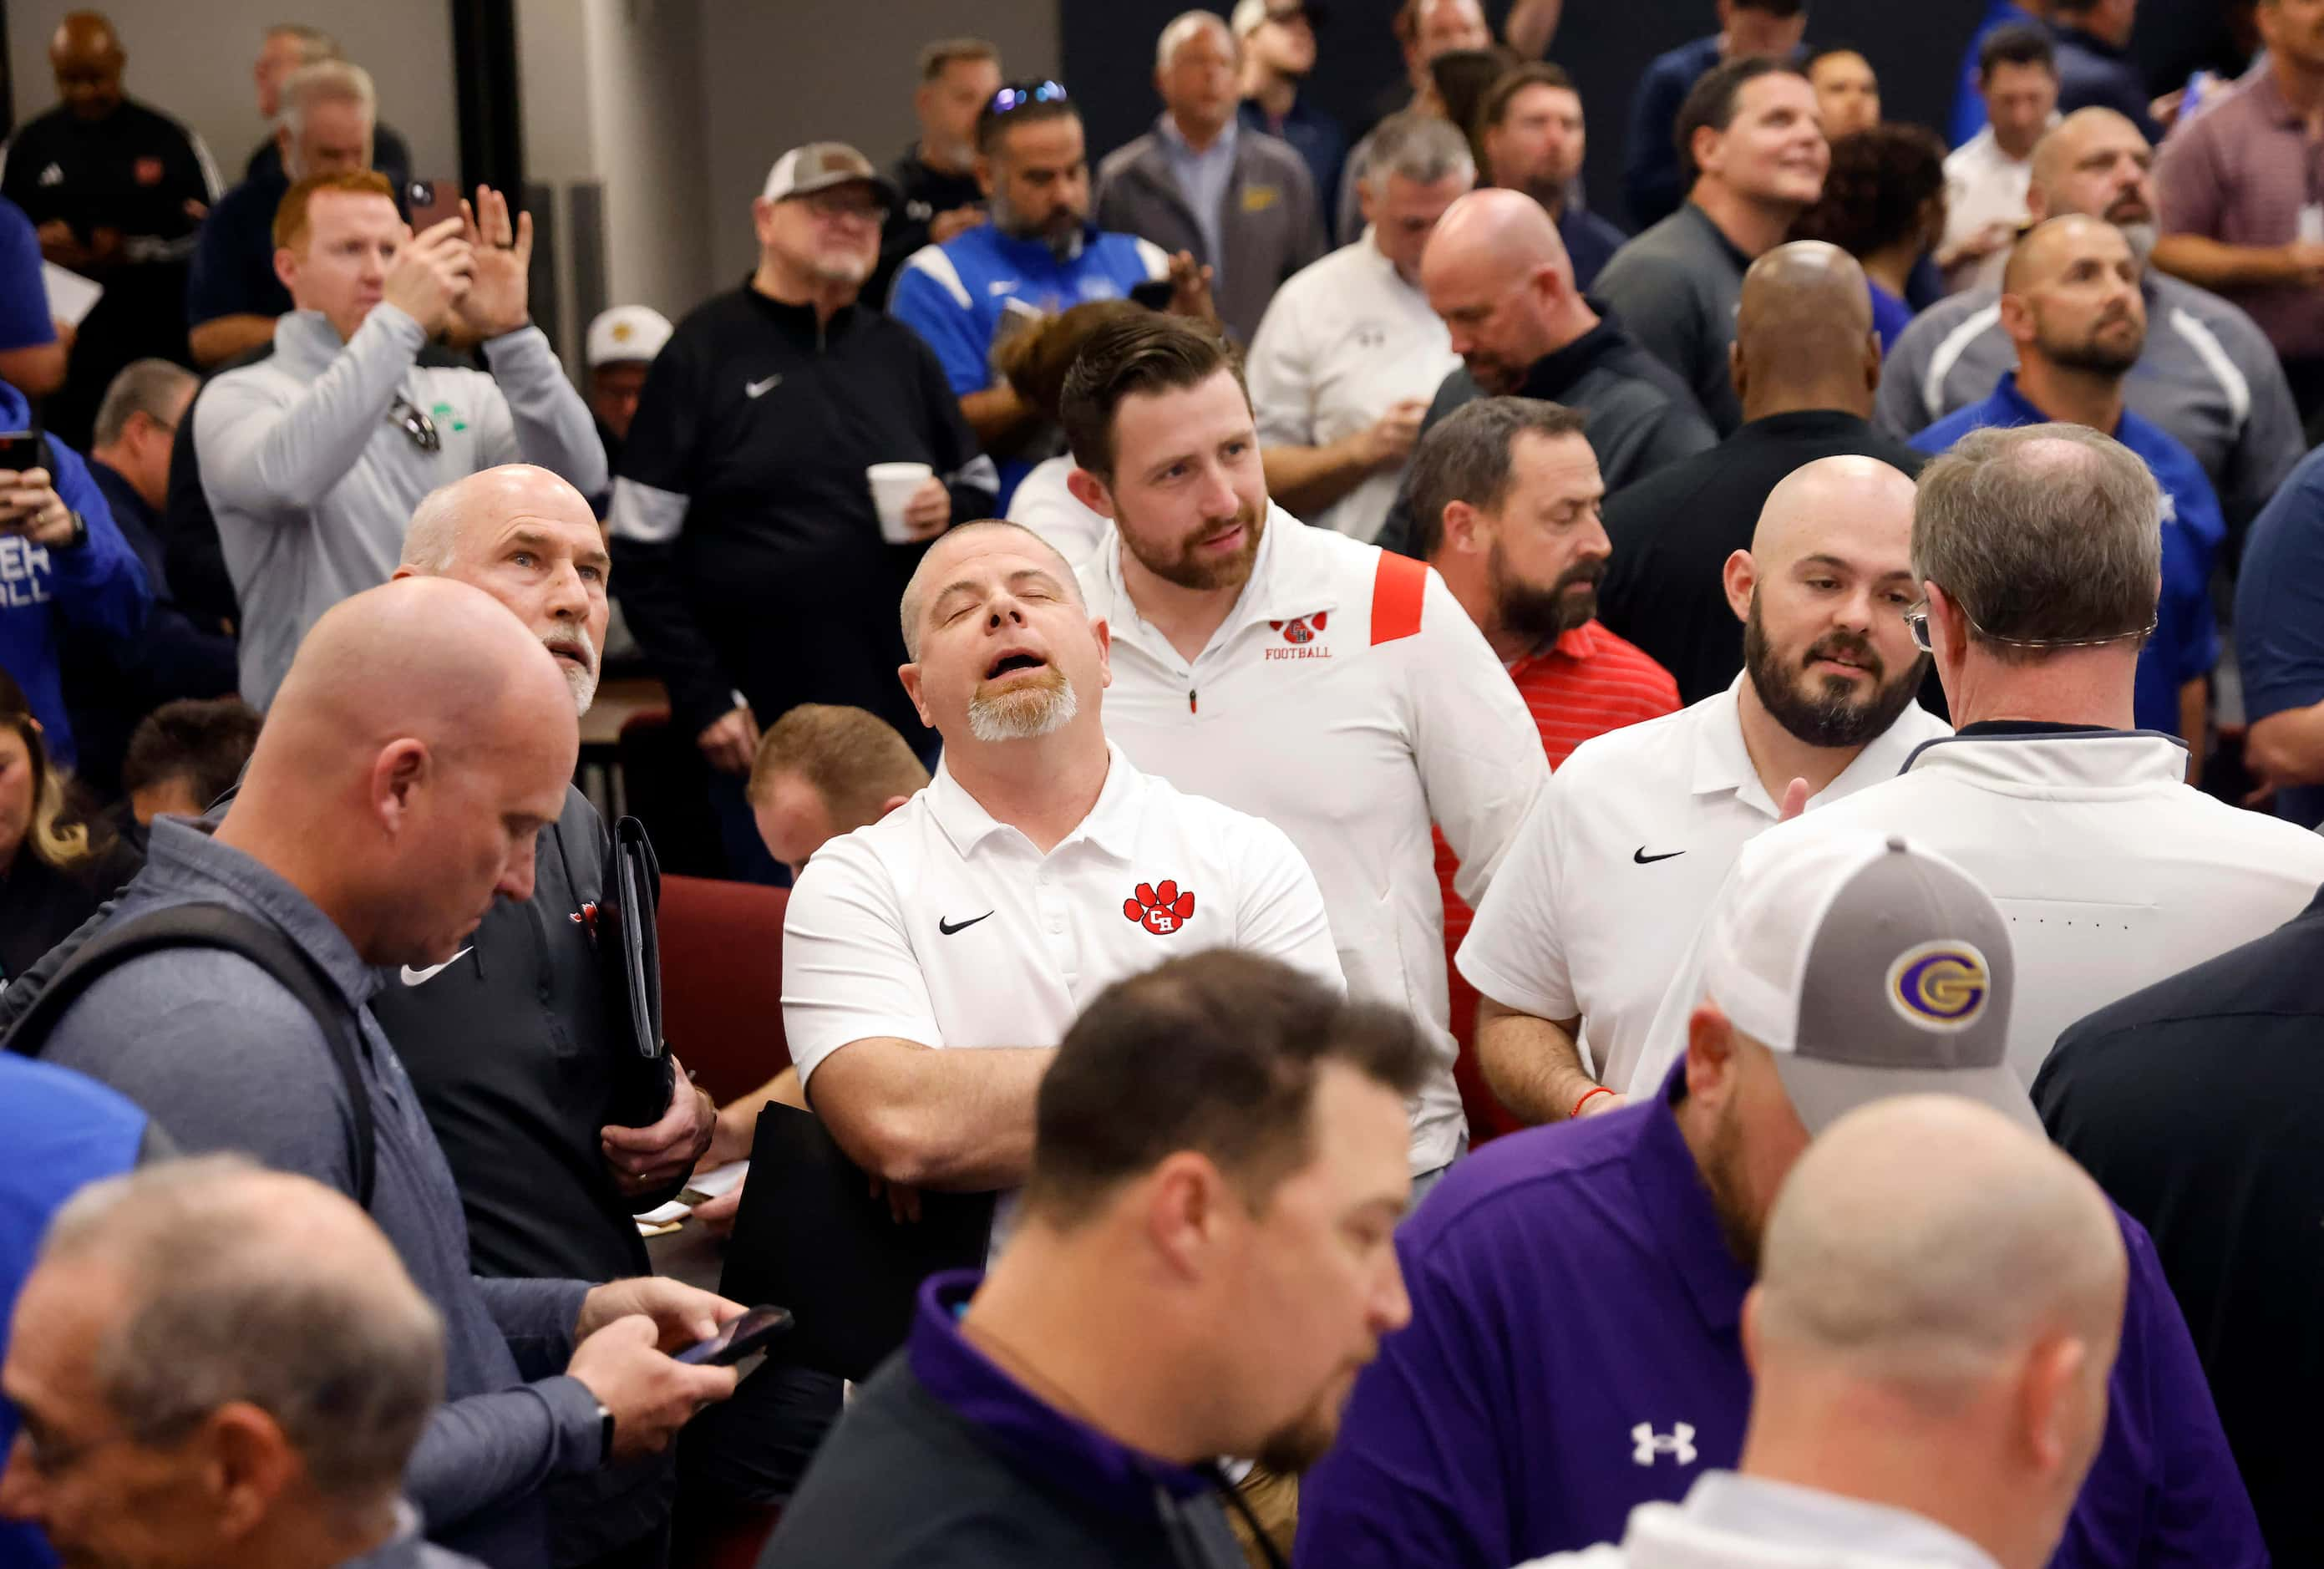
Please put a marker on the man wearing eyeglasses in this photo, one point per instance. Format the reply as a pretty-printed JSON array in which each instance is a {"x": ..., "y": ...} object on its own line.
[
  {"x": 2036, "y": 562},
  {"x": 314, "y": 457},
  {"x": 754, "y": 569},
  {"x": 2071, "y": 302}
]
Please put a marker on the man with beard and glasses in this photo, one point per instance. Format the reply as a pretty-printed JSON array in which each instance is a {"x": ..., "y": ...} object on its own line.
[
  {"x": 1570, "y": 951},
  {"x": 515, "y": 1048},
  {"x": 1507, "y": 493},
  {"x": 1040, "y": 255},
  {"x": 1499, "y": 277},
  {"x": 2036, "y": 562},
  {"x": 1577, "y": 1339},
  {"x": 1325, "y": 685},
  {"x": 1805, "y": 363},
  {"x": 1205, "y": 1262},
  {"x": 2070, "y": 301},
  {"x": 756, "y": 573},
  {"x": 932, "y": 960},
  {"x": 2207, "y": 375}
]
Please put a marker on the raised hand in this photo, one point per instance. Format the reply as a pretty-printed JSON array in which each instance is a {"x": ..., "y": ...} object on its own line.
[
  {"x": 499, "y": 299},
  {"x": 430, "y": 275}
]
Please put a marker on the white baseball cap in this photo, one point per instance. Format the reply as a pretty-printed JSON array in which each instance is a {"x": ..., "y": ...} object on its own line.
[
  {"x": 626, "y": 332},
  {"x": 1870, "y": 968}
]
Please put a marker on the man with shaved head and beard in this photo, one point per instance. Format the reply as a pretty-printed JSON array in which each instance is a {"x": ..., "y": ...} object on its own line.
[
  {"x": 1806, "y": 364},
  {"x": 932, "y": 960},
  {"x": 525, "y": 1066},
  {"x": 1633, "y": 835},
  {"x": 421, "y": 743},
  {"x": 2070, "y": 301}
]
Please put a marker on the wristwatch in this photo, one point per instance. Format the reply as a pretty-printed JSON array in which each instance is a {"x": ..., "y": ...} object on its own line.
[
  {"x": 80, "y": 535},
  {"x": 605, "y": 1431}
]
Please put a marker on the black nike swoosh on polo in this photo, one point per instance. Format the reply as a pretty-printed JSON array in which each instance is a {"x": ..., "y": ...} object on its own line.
[
  {"x": 948, "y": 927},
  {"x": 1643, "y": 859}
]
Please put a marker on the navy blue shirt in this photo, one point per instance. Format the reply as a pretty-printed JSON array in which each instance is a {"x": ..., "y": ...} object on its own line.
[
  {"x": 1575, "y": 1350},
  {"x": 1653, "y": 184},
  {"x": 24, "y": 322},
  {"x": 2186, "y": 641},
  {"x": 60, "y": 1132},
  {"x": 234, "y": 258},
  {"x": 1313, "y": 134},
  {"x": 2280, "y": 615},
  {"x": 1590, "y": 240},
  {"x": 2094, "y": 74}
]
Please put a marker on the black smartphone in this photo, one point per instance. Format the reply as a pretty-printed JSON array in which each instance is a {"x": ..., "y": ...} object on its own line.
[
  {"x": 739, "y": 1339},
  {"x": 22, "y": 449}
]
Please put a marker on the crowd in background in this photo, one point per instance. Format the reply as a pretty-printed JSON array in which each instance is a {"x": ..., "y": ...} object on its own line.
[{"x": 1415, "y": 864}]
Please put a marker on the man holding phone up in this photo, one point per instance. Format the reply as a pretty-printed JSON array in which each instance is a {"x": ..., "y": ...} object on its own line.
[
  {"x": 314, "y": 458},
  {"x": 61, "y": 557}
]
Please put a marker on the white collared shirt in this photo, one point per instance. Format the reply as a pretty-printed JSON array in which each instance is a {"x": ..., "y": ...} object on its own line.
[
  {"x": 1733, "y": 1521},
  {"x": 1343, "y": 339},
  {"x": 1983, "y": 186},
  {"x": 940, "y": 926},
  {"x": 2113, "y": 871},
  {"x": 1621, "y": 858},
  {"x": 1349, "y": 699}
]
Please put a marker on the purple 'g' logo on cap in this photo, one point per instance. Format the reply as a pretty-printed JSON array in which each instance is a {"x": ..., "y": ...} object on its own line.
[{"x": 1939, "y": 985}]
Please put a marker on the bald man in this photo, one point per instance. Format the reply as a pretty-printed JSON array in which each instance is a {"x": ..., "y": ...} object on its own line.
[
  {"x": 1806, "y": 364},
  {"x": 2071, "y": 305},
  {"x": 1940, "y": 1301},
  {"x": 118, "y": 190},
  {"x": 1578, "y": 1292},
  {"x": 259, "y": 1292},
  {"x": 421, "y": 742},
  {"x": 2207, "y": 375},
  {"x": 1498, "y": 275},
  {"x": 526, "y": 1067},
  {"x": 1571, "y": 950}
]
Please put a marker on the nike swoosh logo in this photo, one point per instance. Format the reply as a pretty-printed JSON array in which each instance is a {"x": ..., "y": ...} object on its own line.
[
  {"x": 1643, "y": 859},
  {"x": 948, "y": 927},
  {"x": 760, "y": 389},
  {"x": 412, "y": 977}
]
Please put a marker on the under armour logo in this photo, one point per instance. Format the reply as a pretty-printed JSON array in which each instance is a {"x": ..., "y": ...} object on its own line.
[
  {"x": 1679, "y": 1444},
  {"x": 51, "y": 175}
]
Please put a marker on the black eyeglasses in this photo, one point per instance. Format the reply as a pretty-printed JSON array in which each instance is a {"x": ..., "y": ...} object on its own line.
[
  {"x": 1916, "y": 621},
  {"x": 402, "y": 414},
  {"x": 1019, "y": 96}
]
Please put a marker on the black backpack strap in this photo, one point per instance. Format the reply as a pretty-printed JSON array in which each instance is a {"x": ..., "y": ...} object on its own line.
[{"x": 215, "y": 926}]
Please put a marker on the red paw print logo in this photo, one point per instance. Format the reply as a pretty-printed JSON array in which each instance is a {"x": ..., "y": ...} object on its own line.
[
  {"x": 1301, "y": 629},
  {"x": 1161, "y": 909},
  {"x": 585, "y": 917}
]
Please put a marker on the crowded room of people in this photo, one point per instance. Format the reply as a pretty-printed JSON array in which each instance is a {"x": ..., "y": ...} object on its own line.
[{"x": 619, "y": 595}]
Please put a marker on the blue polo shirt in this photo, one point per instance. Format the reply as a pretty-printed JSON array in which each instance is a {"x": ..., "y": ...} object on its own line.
[
  {"x": 1653, "y": 182},
  {"x": 1575, "y": 1352},
  {"x": 59, "y": 1133},
  {"x": 2186, "y": 641},
  {"x": 976, "y": 292},
  {"x": 2280, "y": 615}
]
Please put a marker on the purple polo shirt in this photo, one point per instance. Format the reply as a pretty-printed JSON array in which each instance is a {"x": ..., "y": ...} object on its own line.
[
  {"x": 1574, "y": 1352},
  {"x": 2238, "y": 173}
]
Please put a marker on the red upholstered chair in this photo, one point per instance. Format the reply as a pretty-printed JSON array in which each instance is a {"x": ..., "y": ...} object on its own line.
[{"x": 722, "y": 981}]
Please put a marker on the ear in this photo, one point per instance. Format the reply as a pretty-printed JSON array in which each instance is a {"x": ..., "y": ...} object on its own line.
[
  {"x": 1948, "y": 627},
  {"x": 400, "y": 573},
  {"x": 400, "y": 771},
  {"x": 1090, "y": 491},
  {"x": 1872, "y": 361},
  {"x": 2018, "y": 318},
  {"x": 1185, "y": 1203},
  {"x": 1741, "y": 578},
  {"x": 910, "y": 674},
  {"x": 1703, "y": 148},
  {"x": 286, "y": 269},
  {"x": 1751, "y": 1332},
  {"x": 1466, "y": 529},
  {"x": 890, "y": 804},
  {"x": 1709, "y": 1055},
  {"x": 247, "y": 1465},
  {"x": 762, "y": 212},
  {"x": 1364, "y": 200},
  {"x": 282, "y": 143},
  {"x": 1737, "y": 374},
  {"x": 987, "y": 177},
  {"x": 2048, "y": 1396},
  {"x": 1104, "y": 636}
]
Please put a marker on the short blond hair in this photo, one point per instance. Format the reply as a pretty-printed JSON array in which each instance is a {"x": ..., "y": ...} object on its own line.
[
  {"x": 290, "y": 215},
  {"x": 854, "y": 759}
]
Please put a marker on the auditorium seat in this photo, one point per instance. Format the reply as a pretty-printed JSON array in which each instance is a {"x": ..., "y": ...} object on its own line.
[{"x": 722, "y": 981}]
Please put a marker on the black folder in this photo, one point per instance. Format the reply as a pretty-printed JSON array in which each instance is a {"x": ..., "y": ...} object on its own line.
[
  {"x": 629, "y": 955},
  {"x": 811, "y": 1234}
]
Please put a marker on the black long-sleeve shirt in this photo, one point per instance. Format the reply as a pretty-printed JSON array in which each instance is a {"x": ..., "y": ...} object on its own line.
[{"x": 746, "y": 552}]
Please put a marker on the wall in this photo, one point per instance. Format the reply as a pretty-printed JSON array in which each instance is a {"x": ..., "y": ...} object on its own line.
[
  {"x": 192, "y": 58},
  {"x": 774, "y": 76}
]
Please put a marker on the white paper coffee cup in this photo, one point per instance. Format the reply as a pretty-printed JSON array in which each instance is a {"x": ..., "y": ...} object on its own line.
[{"x": 892, "y": 486}]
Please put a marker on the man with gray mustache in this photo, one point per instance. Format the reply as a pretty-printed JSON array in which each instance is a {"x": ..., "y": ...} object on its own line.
[{"x": 514, "y": 1046}]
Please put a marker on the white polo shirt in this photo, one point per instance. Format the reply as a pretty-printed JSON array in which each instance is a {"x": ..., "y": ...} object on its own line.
[
  {"x": 1619, "y": 861},
  {"x": 940, "y": 926},
  {"x": 2114, "y": 872},
  {"x": 1983, "y": 186},
  {"x": 1348, "y": 699},
  {"x": 1343, "y": 338}
]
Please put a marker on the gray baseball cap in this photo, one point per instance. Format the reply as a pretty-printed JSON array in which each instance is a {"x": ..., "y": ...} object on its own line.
[
  {"x": 1870, "y": 968},
  {"x": 819, "y": 166}
]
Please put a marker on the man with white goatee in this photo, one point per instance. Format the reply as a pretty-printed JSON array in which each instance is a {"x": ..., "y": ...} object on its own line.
[{"x": 1036, "y": 869}]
